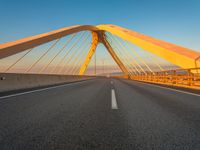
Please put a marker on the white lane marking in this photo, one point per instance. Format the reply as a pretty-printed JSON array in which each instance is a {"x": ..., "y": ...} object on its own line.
[
  {"x": 111, "y": 82},
  {"x": 170, "y": 89},
  {"x": 38, "y": 90},
  {"x": 113, "y": 99}
]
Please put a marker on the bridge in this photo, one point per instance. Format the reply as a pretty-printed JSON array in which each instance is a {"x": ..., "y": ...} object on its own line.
[{"x": 52, "y": 95}]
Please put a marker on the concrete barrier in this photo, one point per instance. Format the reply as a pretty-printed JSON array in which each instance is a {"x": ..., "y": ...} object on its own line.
[{"x": 13, "y": 81}]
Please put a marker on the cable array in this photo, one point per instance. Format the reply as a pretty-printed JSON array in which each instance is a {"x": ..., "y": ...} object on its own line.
[
  {"x": 137, "y": 60},
  {"x": 67, "y": 54}
]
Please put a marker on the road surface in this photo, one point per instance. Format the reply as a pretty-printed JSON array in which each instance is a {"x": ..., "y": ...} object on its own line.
[{"x": 102, "y": 113}]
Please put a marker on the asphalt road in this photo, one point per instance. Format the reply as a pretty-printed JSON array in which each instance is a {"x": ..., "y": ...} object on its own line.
[{"x": 107, "y": 114}]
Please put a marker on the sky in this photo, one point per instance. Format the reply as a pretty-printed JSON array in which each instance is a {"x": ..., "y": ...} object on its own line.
[{"x": 175, "y": 21}]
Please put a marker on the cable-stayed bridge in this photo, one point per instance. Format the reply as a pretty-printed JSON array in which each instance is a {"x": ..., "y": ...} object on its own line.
[
  {"x": 56, "y": 94},
  {"x": 69, "y": 51}
]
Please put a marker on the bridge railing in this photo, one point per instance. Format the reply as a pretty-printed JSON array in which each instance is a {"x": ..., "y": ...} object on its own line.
[{"x": 188, "y": 78}]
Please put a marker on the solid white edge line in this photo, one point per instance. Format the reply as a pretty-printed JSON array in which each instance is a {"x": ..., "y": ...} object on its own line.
[
  {"x": 38, "y": 90},
  {"x": 170, "y": 89},
  {"x": 113, "y": 100}
]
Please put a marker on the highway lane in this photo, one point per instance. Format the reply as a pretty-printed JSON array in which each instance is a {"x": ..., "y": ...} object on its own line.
[{"x": 101, "y": 114}]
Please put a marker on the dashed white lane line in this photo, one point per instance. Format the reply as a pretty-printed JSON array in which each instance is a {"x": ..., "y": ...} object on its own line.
[
  {"x": 111, "y": 82},
  {"x": 113, "y": 99}
]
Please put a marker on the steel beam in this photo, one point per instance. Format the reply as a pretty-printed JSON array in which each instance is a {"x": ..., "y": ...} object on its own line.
[
  {"x": 177, "y": 55},
  {"x": 90, "y": 53},
  {"x": 18, "y": 46},
  {"x": 114, "y": 56}
]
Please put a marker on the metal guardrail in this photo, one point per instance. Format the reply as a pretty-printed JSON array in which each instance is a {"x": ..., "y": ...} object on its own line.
[{"x": 187, "y": 78}]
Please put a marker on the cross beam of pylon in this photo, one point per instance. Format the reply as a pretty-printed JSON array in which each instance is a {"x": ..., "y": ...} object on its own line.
[{"x": 177, "y": 55}]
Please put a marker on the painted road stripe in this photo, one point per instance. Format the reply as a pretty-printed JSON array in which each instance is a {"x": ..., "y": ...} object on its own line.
[
  {"x": 113, "y": 99},
  {"x": 170, "y": 89},
  {"x": 111, "y": 82},
  {"x": 39, "y": 90}
]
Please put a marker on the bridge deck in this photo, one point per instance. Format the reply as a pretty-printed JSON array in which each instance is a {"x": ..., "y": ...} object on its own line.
[{"x": 80, "y": 115}]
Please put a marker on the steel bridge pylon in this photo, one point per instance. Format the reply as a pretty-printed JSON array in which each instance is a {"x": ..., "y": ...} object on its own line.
[{"x": 177, "y": 55}]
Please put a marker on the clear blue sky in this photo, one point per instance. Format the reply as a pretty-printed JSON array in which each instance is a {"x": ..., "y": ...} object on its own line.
[{"x": 176, "y": 21}]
